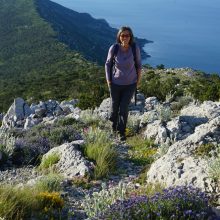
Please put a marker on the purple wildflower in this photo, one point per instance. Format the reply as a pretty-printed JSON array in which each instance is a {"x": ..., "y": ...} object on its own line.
[{"x": 179, "y": 202}]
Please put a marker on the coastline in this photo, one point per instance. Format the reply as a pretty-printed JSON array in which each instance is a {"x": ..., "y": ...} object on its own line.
[{"x": 81, "y": 30}]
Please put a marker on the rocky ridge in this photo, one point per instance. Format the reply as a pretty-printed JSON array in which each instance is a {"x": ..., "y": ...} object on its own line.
[{"x": 196, "y": 125}]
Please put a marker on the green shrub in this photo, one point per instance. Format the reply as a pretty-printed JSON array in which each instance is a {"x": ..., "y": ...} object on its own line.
[
  {"x": 50, "y": 204},
  {"x": 152, "y": 88},
  {"x": 162, "y": 150},
  {"x": 141, "y": 151},
  {"x": 82, "y": 182},
  {"x": 164, "y": 113},
  {"x": 149, "y": 75},
  {"x": 7, "y": 141},
  {"x": 66, "y": 121},
  {"x": 16, "y": 204},
  {"x": 49, "y": 161},
  {"x": 97, "y": 135},
  {"x": 160, "y": 67},
  {"x": 146, "y": 189},
  {"x": 214, "y": 170},
  {"x": 49, "y": 183},
  {"x": 160, "y": 86},
  {"x": 148, "y": 66},
  {"x": 205, "y": 88},
  {"x": 105, "y": 161},
  {"x": 205, "y": 150},
  {"x": 142, "y": 177},
  {"x": 37, "y": 141},
  {"x": 4, "y": 154},
  {"x": 132, "y": 125},
  {"x": 91, "y": 118},
  {"x": 97, "y": 92},
  {"x": 180, "y": 103},
  {"x": 99, "y": 148},
  {"x": 60, "y": 135},
  {"x": 169, "y": 73},
  {"x": 98, "y": 202},
  {"x": 29, "y": 203}
]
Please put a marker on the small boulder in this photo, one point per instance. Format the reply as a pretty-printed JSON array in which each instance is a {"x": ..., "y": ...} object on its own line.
[
  {"x": 17, "y": 112},
  {"x": 71, "y": 162}
]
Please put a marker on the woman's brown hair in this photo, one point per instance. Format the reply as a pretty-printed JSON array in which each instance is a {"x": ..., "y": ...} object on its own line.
[{"x": 125, "y": 28}]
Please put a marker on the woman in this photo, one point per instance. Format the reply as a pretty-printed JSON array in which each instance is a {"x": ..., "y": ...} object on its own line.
[{"x": 123, "y": 73}]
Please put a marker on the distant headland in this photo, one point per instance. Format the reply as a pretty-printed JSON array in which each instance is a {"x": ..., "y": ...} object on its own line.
[{"x": 81, "y": 32}]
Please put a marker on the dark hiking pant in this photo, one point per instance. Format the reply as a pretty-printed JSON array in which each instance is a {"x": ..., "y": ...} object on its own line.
[{"x": 121, "y": 96}]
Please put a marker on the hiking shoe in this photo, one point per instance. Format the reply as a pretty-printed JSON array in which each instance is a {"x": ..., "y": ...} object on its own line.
[{"x": 122, "y": 138}]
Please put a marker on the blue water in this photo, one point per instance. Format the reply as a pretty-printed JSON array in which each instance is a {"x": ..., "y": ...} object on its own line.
[{"x": 186, "y": 33}]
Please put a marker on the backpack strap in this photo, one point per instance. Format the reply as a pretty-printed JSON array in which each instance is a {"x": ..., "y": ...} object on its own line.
[
  {"x": 133, "y": 47},
  {"x": 115, "y": 51}
]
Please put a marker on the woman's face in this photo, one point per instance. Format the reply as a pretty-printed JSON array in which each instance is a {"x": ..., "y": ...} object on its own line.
[{"x": 125, "y": 38}]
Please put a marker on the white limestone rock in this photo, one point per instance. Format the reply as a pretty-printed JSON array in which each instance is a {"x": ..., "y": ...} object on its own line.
[
  {"x": 18, "y": 111},
  {"x": 179, "y": 166},
  {"x": 58, "y": 111},
  {"x": 151, "y": 131},
  {"x": 105, "y": 106},
  {"x": 148, "y": 117},
  {"x": 68, "y": 106},
  {"x": 151, "y": 103},
  {"x": 39, "y": 110},
  {"x": 162, "y": 136},
  {"x": 207, "y": 109},
  {"x": 31, "y": 122},
  {"x": 71, "y": 163}
]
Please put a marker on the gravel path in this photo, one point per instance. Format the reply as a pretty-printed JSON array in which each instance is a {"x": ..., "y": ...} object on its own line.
[{"x": 128, "y": 171}]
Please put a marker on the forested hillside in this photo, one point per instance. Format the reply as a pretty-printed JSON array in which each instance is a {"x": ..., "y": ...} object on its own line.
[
  {"x": 35, "y": 65},
  {"x": 78, "y": 30},
  {"x": 81, "y": 32}
]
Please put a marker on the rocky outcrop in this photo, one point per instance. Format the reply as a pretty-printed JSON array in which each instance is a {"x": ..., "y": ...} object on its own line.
[
  {"x": 71, "y": 162},
  {"x": 20, "y": 115},
  {"x": 207, "y": 110},
  {"x": 104, "y": 109},
  {"x": 18, "y": 111},
  {"x": 197, "y": 124},
  {"x": 136, "y": 106},
  {"x": 182, "y": 126},
  {"x": 180, "y": 165}
]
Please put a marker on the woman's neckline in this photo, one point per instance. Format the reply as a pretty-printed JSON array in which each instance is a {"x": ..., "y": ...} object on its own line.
[{"x": 124, "y": 49}]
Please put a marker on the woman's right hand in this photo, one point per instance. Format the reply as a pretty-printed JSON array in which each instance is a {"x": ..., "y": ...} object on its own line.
[{"x": 109, "y": 83}]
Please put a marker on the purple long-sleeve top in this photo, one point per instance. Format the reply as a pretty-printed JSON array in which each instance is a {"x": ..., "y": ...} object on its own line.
[{"x": 124, "y": 71}]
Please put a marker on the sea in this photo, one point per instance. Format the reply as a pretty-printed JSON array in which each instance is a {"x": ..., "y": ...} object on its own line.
[{"x": 185, "y": 33}]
